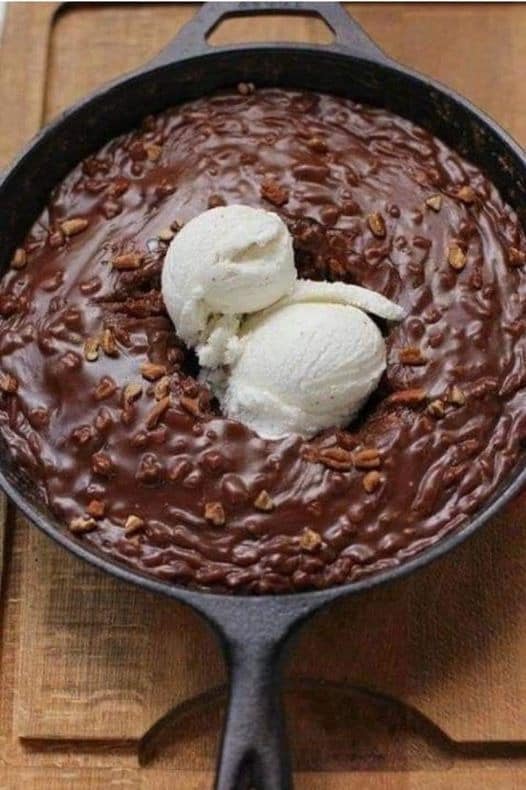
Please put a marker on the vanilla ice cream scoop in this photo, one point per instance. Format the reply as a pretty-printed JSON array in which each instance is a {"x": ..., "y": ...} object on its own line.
[
  {"x": 227, "y": 261},
  {"x": 304, "y": 367},
  {"x": 282, "y": 355}
]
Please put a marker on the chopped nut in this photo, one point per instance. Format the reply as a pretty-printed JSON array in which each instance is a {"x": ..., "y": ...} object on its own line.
[
  {"x": 215, "y": 201},
  {"x": 19, "y": 259},
  {"x": 132, "y": 392},
  {"x": 96, "y": 508},
  {"x": 166, "y": 234},
  {"x": 127, "y": 261},
  {"x": 153, "y": 151},
  {"x": 437, "y": 408},
  {"x": 434, "y": 202},
  {"x": 368, "y": 458},
  {"x": 70, "y": 227},
  {"x": 335, "y": 458},
  {"x": 516, "y": 257},
  {"x": 372, "y": 481},
  {"x": 108, "y": 344},
  {"x": 162, "y": 388},
  {"x": 133, "y": 525},
  {"x": 191, "y": 405},
  {"x": 376, "y": 225},
  {"x": 274, "y": 192},
  {"x": 456, "y": 257},
  {"x": 151, "y": 371},
  {"x": 411, "y": 355},
  {"x": 409, "y": 397},
  {"x": 215, "y": 513},
  {"x": 456, "y": 396},
  {"x": 264, "y": 501},
  {"x": 101, "y": 464},
  {"x": 81, "y": 525},
  {"x": 157, "y": 412},
  {"x": 105, "y": 388},
  {"x": 466, "y": 194},
  {"x": 8, "y": 383},
  {"x": 56, "y": 239},
  {"x": 318, "y": 145},
  {"x": 246, "y": 88},
  {"x": 310, "y": 540},
  {"x": 91, "y": 349}
]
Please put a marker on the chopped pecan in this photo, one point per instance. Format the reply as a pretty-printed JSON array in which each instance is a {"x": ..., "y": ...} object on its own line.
[
  {"x": 456, "y": 256},
  {"x": 437, "y": 408},
  {"x": 408, "y": 397},
  {"x": 376, "y": 225},
  {"x": 102, "y": 464},
  {"x": 96, "y": 508},
  {"x": 274, "y": 192},
  {"x": 215, "y": 513},
  {"x": 335, "y": 458},
  {"x": 466, "y": 194},
  {"x": 214, "y": 201},
  {"x": 133, "y": 525},
  {"x": 70, "y": 227},
  {"x": 91, "y": 349},
  {"x": 131, "y": 392},
  {"x": 318, "y": 145},
  {"x": 166, "y": 234},
  {"x": 310, "y": 540},
  {"x": 8, "y": 383},
  {"x": 19, "y": 259},
  {"x": 246, "y": 88},
  {"x": 81, "y": 525},
  {"x": 411, "y": 355},
  {"x": 516, "y": 257},
  {"x": 105, "y": 388},
  {"x": 192, "y": 405},
  {"x": 157, "y": 412},
  {"x": 372, "y": 481},
  {"x": 127, "y": 261},
  {"x": 162, "y": 388},
  {"x": 153, "y": 151},
  {"x": 264, "y": 501},
  {"x": 367, "y": 458},
  {"x": 151, "y": 371},
  {"x": 456, "y": 396},
  {"x": 434, "y": 202},
  {"x": 108, "y": 344}
]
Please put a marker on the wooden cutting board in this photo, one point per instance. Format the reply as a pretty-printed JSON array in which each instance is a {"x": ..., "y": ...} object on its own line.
[{"x": 419, "y": 685}]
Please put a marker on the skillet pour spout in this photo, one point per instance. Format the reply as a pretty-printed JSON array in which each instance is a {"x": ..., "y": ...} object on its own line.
[{"x": 254, "y": 632}]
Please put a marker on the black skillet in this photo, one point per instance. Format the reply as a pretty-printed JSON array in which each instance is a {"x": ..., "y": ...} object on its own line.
[{"x": 253, "y": 631}]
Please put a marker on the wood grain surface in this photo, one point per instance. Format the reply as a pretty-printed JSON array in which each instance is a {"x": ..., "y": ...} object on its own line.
[{"x": 418, "y": 685}]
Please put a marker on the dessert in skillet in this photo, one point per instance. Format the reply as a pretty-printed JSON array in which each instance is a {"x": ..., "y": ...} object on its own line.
[{"x": 286, "y": 435}]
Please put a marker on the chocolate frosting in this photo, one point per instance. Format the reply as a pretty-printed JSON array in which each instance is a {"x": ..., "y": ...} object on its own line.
[{"x": 100, "y": 400}]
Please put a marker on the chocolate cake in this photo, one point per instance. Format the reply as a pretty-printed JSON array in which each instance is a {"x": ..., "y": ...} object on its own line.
[{"x": 101, "y": 404}]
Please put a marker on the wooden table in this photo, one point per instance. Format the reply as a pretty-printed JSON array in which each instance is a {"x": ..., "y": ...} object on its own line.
[{"x": 89, "y": 667}]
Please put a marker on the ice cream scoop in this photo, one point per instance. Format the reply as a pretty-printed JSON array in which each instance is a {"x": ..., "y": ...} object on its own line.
[
  {"x": 282, "y": 355},
  {"x": 226, "y": 262}
]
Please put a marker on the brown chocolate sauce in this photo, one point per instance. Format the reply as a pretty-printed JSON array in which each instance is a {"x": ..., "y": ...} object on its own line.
[{"x": 352, "y": 184}]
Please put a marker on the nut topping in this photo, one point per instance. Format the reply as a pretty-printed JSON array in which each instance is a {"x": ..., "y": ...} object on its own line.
[
  {"x": 456, "y": 257},
  {"x": 372, "y": 481},
  {"x": 108, "y": 344},
  {"x": 105, "y": 388},
  {"x": 96, "y": 508},
  {"x": 131, "y": 392},
  {"x": 310, "y": 540},
  {"x": 215, "y": 513},
  {"x": 102, "y": 464},
  {"x": 368, "y": 458},
  {"x": 466, "y": 194},
  {"x": 127, "y": 261},
  {"x": 274, "y": 192},
  {"x": 166, "y": 234},
  {"x": 8, "y": 383},
  {"x": 516, "y": 257},
  {"x": 153, "y": 152},
  {"x": 73, "y": 226},
  {"x": 133, "y": 525},
  {"x": 376, "y": 225},
  {"x": 91, "y": 349},
  {"x": 434, "y": 202},
  {"x": 19, "y": 259},
  {"x": 411, "y": 355},
  {"x": 437, "y": 409},
  {"x": 264, "y": 502},
  {"x": 81, "y": 525},
  {"x": 162, "y": 388},
  {"x": 157, "y": 412},
  {"x": 409, "y": 397},
  {"x": 456, "y": 396},
  {"x": 151, "y": 371}
]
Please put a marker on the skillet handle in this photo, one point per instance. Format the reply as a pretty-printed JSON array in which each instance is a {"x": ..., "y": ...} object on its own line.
[
  {"x": 254, "y": 751},
  {"x": 191, "y": 41}
]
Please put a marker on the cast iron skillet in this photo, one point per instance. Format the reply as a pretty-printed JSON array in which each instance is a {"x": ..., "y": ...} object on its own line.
[{"x": 253, "y": 631}]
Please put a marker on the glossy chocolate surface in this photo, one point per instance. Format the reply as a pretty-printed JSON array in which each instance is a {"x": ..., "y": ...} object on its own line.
[{"x": 152, "y": 474}]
